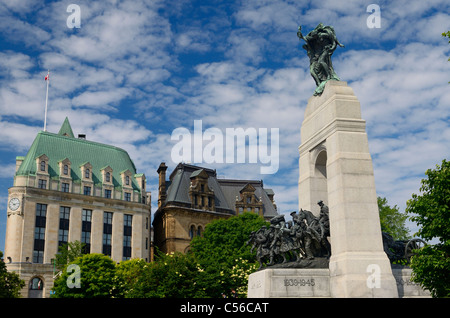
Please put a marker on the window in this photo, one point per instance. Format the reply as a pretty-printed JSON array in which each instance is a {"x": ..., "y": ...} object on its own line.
[
  {"x": 64, "y": 187},
  {"x": 86, "y": 218},
  {"x": 39, "y": 233},
  {"x": 108, "y": 177},
  {"x": 127, "y": 196},
  {"x": 199, "y": 231},
  {"x": 87, "y": 173},
  {"x": 107, "y": 194},
  {"x": 42, "y": 184},
  {"x": 63, "y": 234},
  {"x": 249, "y": 199},
  {"x": 66, "y": 170},
  {"x": 36, "y": 284},
  {"x": 87, "y": 190},
  {"x": 127, "y": 180},
  {"x": 191, "y": 232},
  {"x": 127, "y": 230},
  {"x": 107, "y": 232},
  {"x": 42, "y": 165},
  {"x": 127, "y": 220}
]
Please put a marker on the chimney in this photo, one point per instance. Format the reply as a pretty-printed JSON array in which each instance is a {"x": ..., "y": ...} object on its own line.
[{"x": 162, "y": 184}]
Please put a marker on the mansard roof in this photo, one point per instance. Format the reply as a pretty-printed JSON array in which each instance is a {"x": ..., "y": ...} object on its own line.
[
  {"x": 225, "y": 190},
  {"x": 63, "y": 145}
]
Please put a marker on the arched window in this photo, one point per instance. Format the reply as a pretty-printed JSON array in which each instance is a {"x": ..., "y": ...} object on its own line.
[
  {"x": 192, "y": 231},
  {"x": 108, "y": 177},
  {"x": 127, "y": 180},
  {"x": 42, "y": 165},
  {"x": 199, "y": 231},
  {"x": 87, "y": 173},
  {"x": 66, "y": 170},
  {"x": 36, "y": 284},
  {"x": 36, "y": 288}
]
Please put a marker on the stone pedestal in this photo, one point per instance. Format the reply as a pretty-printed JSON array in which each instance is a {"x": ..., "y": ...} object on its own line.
[
  {"x": 287, "y": 282},
  {"x": 406, "y": 288},
  {"x": 336, "y": 167}
]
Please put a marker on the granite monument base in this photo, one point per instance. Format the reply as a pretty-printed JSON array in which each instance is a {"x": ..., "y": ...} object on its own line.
[
  {"x": 315, "y": 283},
  {"x": 405, "y": 287},
  {"x": 289, "y": 283}
]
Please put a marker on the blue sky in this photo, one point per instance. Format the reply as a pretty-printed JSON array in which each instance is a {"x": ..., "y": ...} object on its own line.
[{"x": 136, "y": 70}]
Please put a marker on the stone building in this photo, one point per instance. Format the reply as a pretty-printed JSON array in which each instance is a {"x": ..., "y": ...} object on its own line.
[
  {"x": 194, "y": 196},
  {"x": 71, "y": 189}
]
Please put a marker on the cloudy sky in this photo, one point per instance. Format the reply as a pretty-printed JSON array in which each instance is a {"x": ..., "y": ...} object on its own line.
[{"x": 135, "y": 71}]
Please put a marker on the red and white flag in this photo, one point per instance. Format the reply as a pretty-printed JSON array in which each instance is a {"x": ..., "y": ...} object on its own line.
[{"x": 47, "y": 77}]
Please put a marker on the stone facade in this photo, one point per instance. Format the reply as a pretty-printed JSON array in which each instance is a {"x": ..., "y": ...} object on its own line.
[
  {"x": 194, "y": 197},
  {"x": 70, "y": 189}
]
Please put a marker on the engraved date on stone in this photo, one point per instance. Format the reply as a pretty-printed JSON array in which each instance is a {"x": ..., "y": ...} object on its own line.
[{"x": 299, "y": 282}]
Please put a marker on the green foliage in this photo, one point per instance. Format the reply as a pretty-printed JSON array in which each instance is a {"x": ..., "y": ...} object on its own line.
[
  {"x": 224, "y": 241},
  {"x": 97, "y": 279},
  {"x": 224, "y": 254},
  {"x": 174, "y": 276},
  {"x": 218, "y": 265},
  {"x": 127, "y": 275},
  {"x": 431, "y": 211},
  {"x": 392, "y": 220},
  {"x": 10, "y": 283},
  {"x": 431, "y": 269},
  {"x": 67, "y": 253}
]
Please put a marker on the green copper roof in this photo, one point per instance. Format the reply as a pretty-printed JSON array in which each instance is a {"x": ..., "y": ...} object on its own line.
[
  {"x": 66, "y": 129},
  {"x": 57, "y": 147}
]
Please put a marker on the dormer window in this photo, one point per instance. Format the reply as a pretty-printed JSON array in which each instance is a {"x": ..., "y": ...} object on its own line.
[
  {"x": 66, "y": 170},
  {"x": 107, "y": 175},
  {"x": 127, "y": 180},
  {"x": 42, "y": 165},
  {"x": 87, "y": 173}
]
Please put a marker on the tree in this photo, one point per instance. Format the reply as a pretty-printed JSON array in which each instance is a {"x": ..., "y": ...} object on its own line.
[
  {"x": 97, "y": 279},
  {"x": 10, "y": 282},
  {"x": 224, "y": 254},
  {"x": 431, "y": 211},
  {"x": 173, "y": 275},
  {"x": 392, "y": 220},
  {"x": 68, "y": 252},
  {"x": 128, "y": 273}
]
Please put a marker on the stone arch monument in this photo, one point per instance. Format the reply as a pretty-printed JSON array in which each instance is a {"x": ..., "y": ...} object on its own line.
[{"x": 335, "y": 166}]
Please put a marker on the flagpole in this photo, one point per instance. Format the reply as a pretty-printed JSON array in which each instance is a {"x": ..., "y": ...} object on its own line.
[{"x": 47, "y": 78}]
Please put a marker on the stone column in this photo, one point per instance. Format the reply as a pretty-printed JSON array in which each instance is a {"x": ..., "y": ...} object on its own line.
[{"x": 336, "y": 167}]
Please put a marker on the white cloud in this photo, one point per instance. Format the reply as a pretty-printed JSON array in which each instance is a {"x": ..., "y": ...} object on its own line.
[{"x": 122, "y": 79}]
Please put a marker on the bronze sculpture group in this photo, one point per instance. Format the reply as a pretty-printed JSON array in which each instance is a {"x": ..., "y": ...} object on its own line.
[
  {"x": 303, "y": 238},
  {"x": 320, "y": 44}
]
